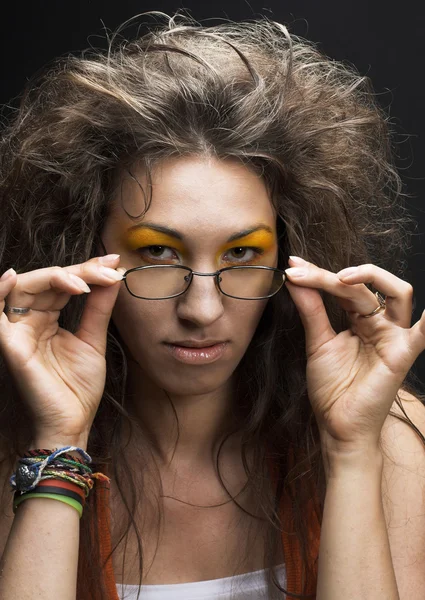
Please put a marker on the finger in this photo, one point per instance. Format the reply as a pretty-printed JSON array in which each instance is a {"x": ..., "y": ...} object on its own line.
[
  {"x": 356, "y": 296},
  {"x": 352, "y": 298},
  {"x": 38, "y": 289},
  {"x": 97, "y": 312},
  {"x": 417, "y": 336},
  {"x": 312, "y": 311},
  {"x": 7, "y": 283},
  {"x": 398, "y": 293},
  {"x": 61, "y": 286}
]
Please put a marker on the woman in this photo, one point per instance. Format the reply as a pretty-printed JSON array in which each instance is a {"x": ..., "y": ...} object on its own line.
[{"x": 130, "y": 184}]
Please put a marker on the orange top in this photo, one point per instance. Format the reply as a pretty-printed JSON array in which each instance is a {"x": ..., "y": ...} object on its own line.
[{"x": 291, "y": 546}]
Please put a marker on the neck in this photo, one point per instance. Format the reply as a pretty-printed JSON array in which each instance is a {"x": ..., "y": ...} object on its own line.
[{"x": 202, "y": 420}]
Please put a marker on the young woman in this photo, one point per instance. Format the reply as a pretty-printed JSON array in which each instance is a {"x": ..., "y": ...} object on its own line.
[{"x": 224, "y": 415}]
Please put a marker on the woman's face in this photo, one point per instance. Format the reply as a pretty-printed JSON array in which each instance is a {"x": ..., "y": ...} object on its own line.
[{"x": 206, "y": 202}]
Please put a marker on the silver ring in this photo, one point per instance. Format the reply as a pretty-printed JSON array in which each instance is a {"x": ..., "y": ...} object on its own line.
[
  {"x": 15, "y": 310},
  {"x": 379, "y": 308}
]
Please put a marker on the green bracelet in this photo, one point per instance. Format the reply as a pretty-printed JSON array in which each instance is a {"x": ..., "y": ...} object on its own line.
[{"x": 69, "y": 501}]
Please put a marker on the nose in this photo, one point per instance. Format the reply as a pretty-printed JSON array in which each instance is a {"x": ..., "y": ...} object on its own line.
[{"x": 202, "y": 303}]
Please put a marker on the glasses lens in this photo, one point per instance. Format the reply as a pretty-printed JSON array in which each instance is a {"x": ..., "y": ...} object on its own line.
[
  {"x": 158, "y": 282},
  {"x": 250, "y": 282}
]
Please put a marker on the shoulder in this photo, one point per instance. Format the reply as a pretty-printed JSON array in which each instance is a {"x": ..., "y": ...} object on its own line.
[{"x": 403, "y": 493}]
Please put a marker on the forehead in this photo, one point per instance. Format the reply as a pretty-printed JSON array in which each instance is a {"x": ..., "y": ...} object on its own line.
[{"x": 196, "y": 192}]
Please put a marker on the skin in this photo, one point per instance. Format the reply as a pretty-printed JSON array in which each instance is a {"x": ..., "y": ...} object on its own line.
[
  {"x": 206, "y": 200},
  {"x": 352, "y": 379},
  {"x": 62, "y": 375}
]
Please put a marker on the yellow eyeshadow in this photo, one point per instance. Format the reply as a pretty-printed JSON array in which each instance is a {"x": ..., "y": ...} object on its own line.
[
  {"x": 262, "y": 239},
  {"x": 148, "y": 237}
]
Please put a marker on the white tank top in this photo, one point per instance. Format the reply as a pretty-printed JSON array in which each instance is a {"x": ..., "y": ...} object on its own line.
[{"x": 249, "y": 586}]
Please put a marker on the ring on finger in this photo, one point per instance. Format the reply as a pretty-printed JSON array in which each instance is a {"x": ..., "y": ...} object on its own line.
[
  {"x": 15, "y": 310},
  {"x": 381, "y": 307}
]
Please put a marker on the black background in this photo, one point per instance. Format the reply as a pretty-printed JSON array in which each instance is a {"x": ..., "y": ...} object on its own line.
[{"x": 385, "y": 41}]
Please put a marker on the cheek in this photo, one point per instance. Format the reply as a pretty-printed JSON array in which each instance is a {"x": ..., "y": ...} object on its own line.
[
  {"x": 246, "y": 318},
  {"x": 137, "y": 320}
]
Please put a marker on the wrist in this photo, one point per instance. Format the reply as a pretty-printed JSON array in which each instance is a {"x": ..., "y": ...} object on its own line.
[
  {"x": 354, "y": 461},
  {"x": 55, "y": 442}
]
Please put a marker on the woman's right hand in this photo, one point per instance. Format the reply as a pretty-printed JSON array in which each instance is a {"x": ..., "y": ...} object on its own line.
[{"x": 60, "y": 375}]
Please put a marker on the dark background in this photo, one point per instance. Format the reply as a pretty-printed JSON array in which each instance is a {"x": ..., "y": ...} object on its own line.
[{"x": 383, "y": 40}]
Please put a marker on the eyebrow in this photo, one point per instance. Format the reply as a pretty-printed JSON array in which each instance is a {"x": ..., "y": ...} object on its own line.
[{"x": 176, "y": 234}]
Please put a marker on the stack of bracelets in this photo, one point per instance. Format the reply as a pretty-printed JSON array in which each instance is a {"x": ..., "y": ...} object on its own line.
[{"x": 54, "y": 474}]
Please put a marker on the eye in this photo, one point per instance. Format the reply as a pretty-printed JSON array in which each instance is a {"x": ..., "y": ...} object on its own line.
[
  {"x": 152, "y": 252},
  {"x": 240, "y": 252}
]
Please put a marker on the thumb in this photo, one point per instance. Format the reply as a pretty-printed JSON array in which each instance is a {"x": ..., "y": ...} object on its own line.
[
  {"x": 314, "y": 317},
  {"x": 94, "y": 322}
]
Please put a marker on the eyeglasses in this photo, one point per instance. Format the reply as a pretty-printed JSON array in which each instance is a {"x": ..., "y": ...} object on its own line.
[{"x": 159, "y": 282}]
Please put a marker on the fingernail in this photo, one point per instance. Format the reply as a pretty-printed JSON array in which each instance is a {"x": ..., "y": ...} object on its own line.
[
  {"x": 347, "y": 272},
  {"x": 295, "y": 272},
  {"x": 297, "y": 260},
  {"x": 111, "y": 273},
  {"x": 108, "y": 258},
  {"x": 7, "y": 274}
]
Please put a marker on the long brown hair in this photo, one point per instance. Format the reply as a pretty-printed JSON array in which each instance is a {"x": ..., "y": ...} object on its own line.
[{"x": 312, "y": 128}]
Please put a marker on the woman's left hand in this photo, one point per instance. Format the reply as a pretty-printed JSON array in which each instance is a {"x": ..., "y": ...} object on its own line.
[{"x": 353, "y": 377}]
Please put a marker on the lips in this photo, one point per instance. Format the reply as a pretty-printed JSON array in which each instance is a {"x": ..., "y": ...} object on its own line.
[
  {"x": 197, "y": 355},
  {"x": 196, "y": 344}
]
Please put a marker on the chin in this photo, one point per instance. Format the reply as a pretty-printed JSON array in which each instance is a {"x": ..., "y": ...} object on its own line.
[{"x": 191, "y": 383}]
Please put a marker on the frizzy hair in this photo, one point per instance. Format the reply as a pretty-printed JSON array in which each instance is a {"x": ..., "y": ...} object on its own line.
[{"x": 309, "y": 125}]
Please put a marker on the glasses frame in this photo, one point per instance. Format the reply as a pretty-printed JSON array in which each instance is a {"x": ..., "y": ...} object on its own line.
[{"x": 191, "y": 273}]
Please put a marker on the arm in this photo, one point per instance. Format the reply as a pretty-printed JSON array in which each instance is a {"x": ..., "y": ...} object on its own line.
[
  {"x": 355, "y": 558},
  {"x": 40, "y": 559}
]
